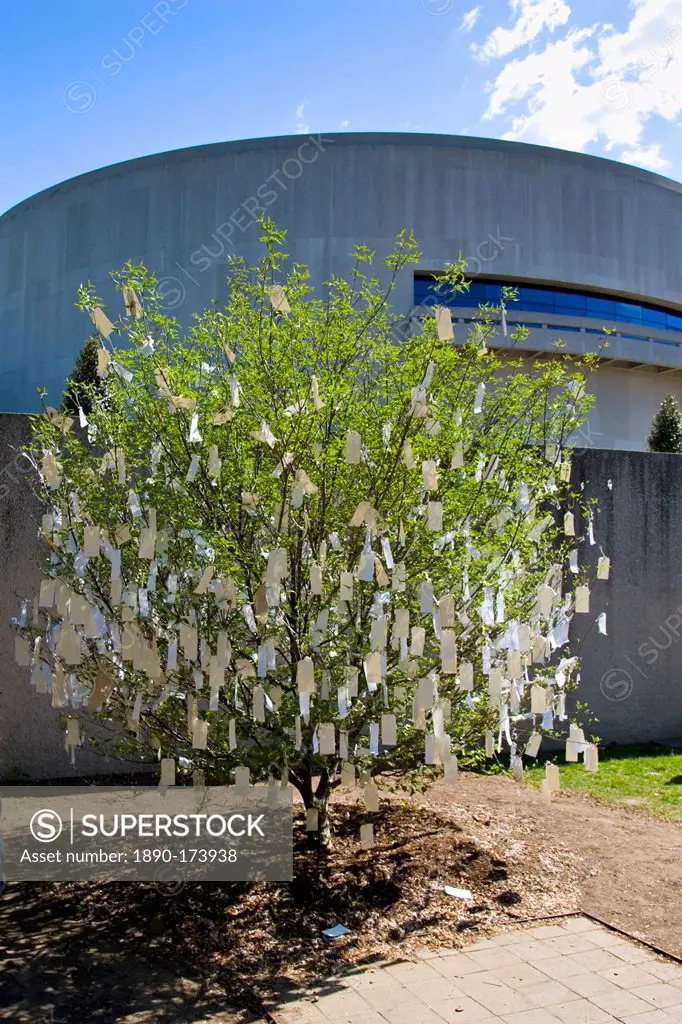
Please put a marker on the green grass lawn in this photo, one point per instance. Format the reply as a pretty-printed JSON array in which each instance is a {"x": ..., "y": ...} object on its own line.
[{"x": 649, "y": 777}]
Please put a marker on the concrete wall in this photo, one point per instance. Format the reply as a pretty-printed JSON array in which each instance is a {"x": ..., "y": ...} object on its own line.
[
  {"x": 626, "y": 403},
  {"x": 31, "y": 738},
  {"x": 629, "y": 386},
  {"x": 631, "y": 678},
  {"x": 516, "y": 211}
]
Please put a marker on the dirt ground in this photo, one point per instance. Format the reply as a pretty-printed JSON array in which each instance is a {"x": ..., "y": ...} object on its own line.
[
  {"x": 209, "y": 952},
  {"x": 629, "y": 865}
]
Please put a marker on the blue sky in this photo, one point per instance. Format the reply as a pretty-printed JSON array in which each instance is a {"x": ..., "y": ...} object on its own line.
[{"x": 87, "y": 84}]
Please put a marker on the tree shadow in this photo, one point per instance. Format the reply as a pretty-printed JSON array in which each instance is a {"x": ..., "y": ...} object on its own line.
[
  {"x": 165, "y": 953},
  {"x": 67, "y": 958}
]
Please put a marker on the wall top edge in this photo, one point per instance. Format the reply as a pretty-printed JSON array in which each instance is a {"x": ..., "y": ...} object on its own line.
[{"x": 408, "y": 140}]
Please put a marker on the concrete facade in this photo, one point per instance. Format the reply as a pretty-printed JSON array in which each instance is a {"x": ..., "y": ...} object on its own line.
[
  {"x": 631, "y": 679},
  {"x": 31, "y": 737},
  {"x": 517, "y": 212}
]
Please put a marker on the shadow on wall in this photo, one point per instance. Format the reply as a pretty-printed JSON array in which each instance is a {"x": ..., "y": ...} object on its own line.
[{"x": 31, "y": 735}]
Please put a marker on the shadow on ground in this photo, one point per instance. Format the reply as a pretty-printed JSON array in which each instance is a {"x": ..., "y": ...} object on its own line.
[
  {"x": 67, "y": 958},
  {"x": 155, "y": 952}
]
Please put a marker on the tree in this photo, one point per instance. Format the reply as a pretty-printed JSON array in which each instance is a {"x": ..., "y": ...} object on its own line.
[
  {"x": 84, "y": 385},
  {"x": 666, "y": 427},
  {"x": 298, "y": 543}
]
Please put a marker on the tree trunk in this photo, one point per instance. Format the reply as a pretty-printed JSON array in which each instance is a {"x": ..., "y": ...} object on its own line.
[
  {"x": 323, "y": 836},
  {"x": 316, "y": 798}
]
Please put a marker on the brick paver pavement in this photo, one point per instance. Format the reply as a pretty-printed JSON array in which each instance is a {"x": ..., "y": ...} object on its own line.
[{"x": 573, "y": 971}]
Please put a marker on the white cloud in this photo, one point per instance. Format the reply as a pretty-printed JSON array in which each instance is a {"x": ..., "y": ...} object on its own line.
[
  {"x": 532, "y": 17},
  {"x": 646, "y": 156},
  {"x": 470, "y": 19},
  {"x": 345, "y": 124},
  {"x": 598, "y": 86},
  {"x": 302, "y": 128},
  {"x": 651, "y": 38}
]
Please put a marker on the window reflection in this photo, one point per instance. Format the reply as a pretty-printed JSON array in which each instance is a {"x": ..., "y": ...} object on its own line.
[{"x": 540, "y": 299}]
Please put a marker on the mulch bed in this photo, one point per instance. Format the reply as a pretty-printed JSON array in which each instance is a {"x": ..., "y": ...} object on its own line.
[
  {"x": 261, "y": 938},
  {"x": 159, "y": 953}
]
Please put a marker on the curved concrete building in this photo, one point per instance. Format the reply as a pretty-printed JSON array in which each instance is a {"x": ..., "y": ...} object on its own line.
[{"x": 589, "y": 242}]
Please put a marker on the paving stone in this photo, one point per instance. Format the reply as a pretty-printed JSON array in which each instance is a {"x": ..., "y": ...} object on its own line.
[
  {"x": 631, "y": 953},
  {"x": 559, "y": 967},
  {"x": 367, "y": 1017},
  {"x": 604, "y": 937},
  {"x": 567, "y": 943},
  {"x": 489, "y": 959},
  {"x": 596, "y": 960},
  {"x": 665, "y": 970},
  {"x": 547, "y": 992},
  {"x": 531, "y": 950},
  {"x": 652, "y": 1017},
  {"x": 436, "y": 991},
  {"x": 455, "y": 966},
  {"x": 406, "y": 969},
  {"x": 301, "y": 1013},
  {"x": 495, "y": 996},
  {"x": 621, "y": 1003},
  {"x": 546, "y": 931},
  {"x": 580, "y": 924},
  {"x": 505, "y": 938},
  {"x": 627, "y": 976},
  {"x": 386, "y": 997},
  {"x": 411, "y": 1015},
  {"x": 361, "y": 980},
  {"x": 462, "y": 1010},
  {"x": 519, "y": 974},
  {"x": 574, "y": 972},
  {"x": 531, "y": 1017},
  {"x": 589, "y": 985},
  {"x": 344, "y": 1003},
  {"x": 579, "y": 1011},
  {"x": 659, "y": 994}
]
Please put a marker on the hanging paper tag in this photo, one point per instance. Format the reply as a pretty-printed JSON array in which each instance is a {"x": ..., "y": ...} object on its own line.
[
  {"x": 367, "y": 837},
  {"x": 444, "y": 323},
  {"x": 278, "y": 299},
  {"x": 603, "y": 567},
  {"x": 353, "y": 448},
  {"x": 167, "y": 771}
]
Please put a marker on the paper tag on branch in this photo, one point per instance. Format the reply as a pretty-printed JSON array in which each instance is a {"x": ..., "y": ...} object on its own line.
[
  {"x": 444, "y": 323},
  {"x": 223, "y": 417},
  {"x": 103, "y": 362},
  {"x": 366, "y": 837},
  {"x": 132, "y": 303},
  {"x": 101, "y": 691},
  {"x": 101, "y": 321},
  {"x": 603, "y": 567},
  {"x": 317, "y": 401},
  {"x": 264, "y": 434},
  {"x": 278, "y": 299},
  {"x": 305, "y": 676},
  {"x": 435, "y": 515},
  {"x": 353, "y": 448}
]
